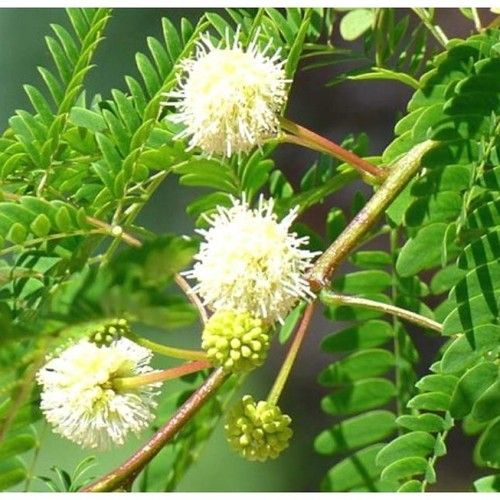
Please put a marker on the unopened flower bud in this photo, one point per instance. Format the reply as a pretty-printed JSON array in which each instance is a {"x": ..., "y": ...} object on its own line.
[
  {"x": 106, "y": 334},
  {"x": 237, "y": 341},
  {"x": 257, "y": 431}
]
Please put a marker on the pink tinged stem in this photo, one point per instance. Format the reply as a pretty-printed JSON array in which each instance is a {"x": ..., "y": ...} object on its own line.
[{"x": 309, "y": 139}]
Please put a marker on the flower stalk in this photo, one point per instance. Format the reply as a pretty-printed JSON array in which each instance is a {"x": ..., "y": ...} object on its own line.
[
  {"x": 286, "y": 368},
  {"x": 127, "y": 383},
  {"x": 309, "y": 139},
  {"x": 165, "y": 350}
]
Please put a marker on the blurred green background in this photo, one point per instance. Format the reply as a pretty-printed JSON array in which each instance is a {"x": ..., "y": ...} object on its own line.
[{"x": 372, "y": 107}]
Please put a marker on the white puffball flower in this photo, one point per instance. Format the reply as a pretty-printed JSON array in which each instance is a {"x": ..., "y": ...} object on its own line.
[
  {"x": 229, "y": 99},
  {"x": 250, "y": 262},
  {"x": 79, "y": 400}
]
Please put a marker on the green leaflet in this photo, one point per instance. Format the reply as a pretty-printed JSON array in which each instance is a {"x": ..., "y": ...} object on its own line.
[
  {"x": 488, "y": 447},
  {"x": 487, "y": 484},
  {"x": 12, "y": 472},
  {"x": 356, "y": 22},
  {"x": 370, "y": 258},
  {"x": 358, "y": 469},
  {"x": 359, "y": 396},
  {"x": 368, "y": 281},
  {"x": 471, "y": 386},
  {"x": 290, "y": 323},
  {"x": 437, "y": 382},
  {"x": 359, "y": 365},
  {"x": 487, "y": 406},
  {"x": 413, "y": 444},
  {"x": 17, "y": 444},
  {"x": 431, "y": 401},
  {"x": 371, "y": 333},
  {"x": 428, "y": 422},
  {"x": 462, "y": 352},
  {"x": 411, "y": 486},
  {"x": 404, "y": 468},
  {"x": 422, "y": 252},
  {"x": 355, "y": 432}
]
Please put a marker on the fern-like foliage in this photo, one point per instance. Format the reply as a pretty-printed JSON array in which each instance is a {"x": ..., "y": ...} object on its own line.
[
  {"x": 32, "y": 146},
  {"x": 377, "y": 371},
  {"x": 448, "y": 208},
  {"x": 76, "y": 171},
  {"x": 392, "y": 47},
  {"x": 30, "y": 151},
  {"x": 450, "y": 216}
]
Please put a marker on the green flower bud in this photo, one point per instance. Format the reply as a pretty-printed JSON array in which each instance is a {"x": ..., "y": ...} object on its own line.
[
  {"x": 257, "y": 431},
  {"x": 236, "y": 341},
  {"x": 106, "y": 334}
]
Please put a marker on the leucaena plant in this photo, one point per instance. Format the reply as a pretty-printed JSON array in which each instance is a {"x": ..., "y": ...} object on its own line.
[{"x": 81, "y": 279}]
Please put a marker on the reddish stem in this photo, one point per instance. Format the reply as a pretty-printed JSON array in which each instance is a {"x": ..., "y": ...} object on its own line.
[
  {"x": 161, "y": 376},
  {"x": 312, "y": 140}
]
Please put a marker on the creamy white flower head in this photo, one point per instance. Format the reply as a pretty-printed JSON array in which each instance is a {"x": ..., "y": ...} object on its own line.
[
  {"x": 79, "y": 399},
  {"x": 250, "y": 262},
  {"x": 229, "y": 99}
]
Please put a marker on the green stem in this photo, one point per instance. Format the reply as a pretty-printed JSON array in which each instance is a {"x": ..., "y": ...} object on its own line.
[
  {"x": 133, "y": 211},
  {"x": 396, "y": 326},
  {"x": 124, "y": 475},
  {"x": 433, "y": 458},
  {"x": 287, "y": 365},
  {"x": 126, "y": 383},
  {"x": 165, "y": 350},
  {"x": 494, "y": 24},
  {"x": 309, "y": 139},
  {"x": 380, "y": 36},
  {"x": 50, "y": 237},
  {"x": 115, "y": 231},
  {"x": 436, "y": 30},
  {"x": 332, "y": 298},
  {"x": 399, "y": 176},
  {"x": 477, "y": 19},
  {"x": 36, "y": 455}
]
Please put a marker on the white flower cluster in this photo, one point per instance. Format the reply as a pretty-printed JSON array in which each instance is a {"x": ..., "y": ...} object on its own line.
[
  {"x": 250, "y": 262},
  {"x": 229, "y": 99},
  {"x": 80, "y": 400}
]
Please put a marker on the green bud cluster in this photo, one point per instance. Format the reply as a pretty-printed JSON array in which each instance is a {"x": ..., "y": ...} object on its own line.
[
  {"x": 257, "y": 431},
  {"x": 106, "y": 334},
  {"x": 237, "y": 341}
]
